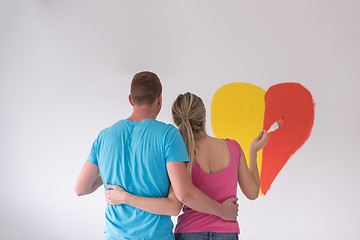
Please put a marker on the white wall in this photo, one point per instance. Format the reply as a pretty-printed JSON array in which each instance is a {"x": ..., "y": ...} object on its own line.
[{"x": 65, "y": 70}]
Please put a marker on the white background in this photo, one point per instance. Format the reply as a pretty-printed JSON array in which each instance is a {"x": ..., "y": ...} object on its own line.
[{"x": 65, "y": 72}]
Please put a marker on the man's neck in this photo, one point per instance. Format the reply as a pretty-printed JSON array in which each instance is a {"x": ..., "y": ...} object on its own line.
[{"x": 142, "y": 112}]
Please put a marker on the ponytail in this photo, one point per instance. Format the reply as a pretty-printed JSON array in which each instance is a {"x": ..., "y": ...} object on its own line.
[
  {"x": 188, "y": 113},
  {"x": 187, "y": 134}
]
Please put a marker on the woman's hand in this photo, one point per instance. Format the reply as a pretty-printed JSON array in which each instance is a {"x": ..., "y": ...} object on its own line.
[
  {"x": 259, "y": 142},
  {"x": 116, "y": 195}
]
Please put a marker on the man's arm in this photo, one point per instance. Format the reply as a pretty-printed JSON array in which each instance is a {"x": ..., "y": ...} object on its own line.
[
  {"x": 89, "y": 179},
  {"x": 191, "y": 196}
]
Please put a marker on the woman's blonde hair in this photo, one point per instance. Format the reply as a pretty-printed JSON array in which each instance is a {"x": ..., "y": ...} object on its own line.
[{"x": 189, "y": 115}]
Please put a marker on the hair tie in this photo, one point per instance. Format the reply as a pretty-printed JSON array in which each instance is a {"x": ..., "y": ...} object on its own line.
[{"x": 183, "y": 118}]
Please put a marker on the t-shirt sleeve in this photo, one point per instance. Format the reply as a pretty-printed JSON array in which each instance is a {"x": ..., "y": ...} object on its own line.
[
  {"x": 175, "y": 149},
  {"x": 92, "y": 158}
]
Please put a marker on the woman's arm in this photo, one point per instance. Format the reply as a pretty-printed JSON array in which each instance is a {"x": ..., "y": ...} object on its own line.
[
  {"x": 248, "y": 177},
  {"x": 162, "y": 206}
]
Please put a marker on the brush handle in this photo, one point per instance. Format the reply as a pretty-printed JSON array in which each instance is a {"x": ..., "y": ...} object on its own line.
[{"x": 271, "y": 129}]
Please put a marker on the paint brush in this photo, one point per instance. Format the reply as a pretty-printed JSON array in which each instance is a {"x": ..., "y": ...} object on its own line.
[{"x": 276, "y": 125}]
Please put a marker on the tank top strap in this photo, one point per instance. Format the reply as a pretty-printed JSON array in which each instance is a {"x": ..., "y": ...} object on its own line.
[{"x": 235, "y": 151}]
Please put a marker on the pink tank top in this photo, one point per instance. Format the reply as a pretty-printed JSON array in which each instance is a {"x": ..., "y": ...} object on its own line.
[{"x": 218, "y": 186}]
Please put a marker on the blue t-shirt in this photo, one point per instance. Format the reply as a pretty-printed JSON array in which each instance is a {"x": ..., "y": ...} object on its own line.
[{"x": 133, "y": 155}]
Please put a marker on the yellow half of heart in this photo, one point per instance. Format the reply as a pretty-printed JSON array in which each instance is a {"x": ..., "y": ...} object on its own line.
[{"x": 237, "y": 112}]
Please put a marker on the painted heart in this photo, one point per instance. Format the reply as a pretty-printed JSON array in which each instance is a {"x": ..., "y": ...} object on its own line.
[{"x": 241, "y": 110}]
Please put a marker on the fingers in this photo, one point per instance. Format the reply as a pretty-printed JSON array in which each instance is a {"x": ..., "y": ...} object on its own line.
[
  {"x": 264, "y": 132},
  {"x": 231, "y": 209},
  {"x": 235, "y": 218},
  {"x": 114, "y": 187},
  {"x": 107, "y": 197},
  {"x": 265, "y": 135},
  {"x": 112, "y": 195},
  {"x": 233, "y": 199},
  {"x": 258, "y": 137},
  {"x": 261, "y": 133},
  {"x": 107, "y": 193}
]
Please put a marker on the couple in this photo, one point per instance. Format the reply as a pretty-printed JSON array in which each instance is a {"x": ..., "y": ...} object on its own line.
[{"x": 151, "y": 169}]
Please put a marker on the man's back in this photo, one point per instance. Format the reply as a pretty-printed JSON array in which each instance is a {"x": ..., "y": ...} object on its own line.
[{"x": 133, "y": 155}]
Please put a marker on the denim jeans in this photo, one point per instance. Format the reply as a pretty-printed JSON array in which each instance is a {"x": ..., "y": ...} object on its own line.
[{"x": 206, "y": 235}]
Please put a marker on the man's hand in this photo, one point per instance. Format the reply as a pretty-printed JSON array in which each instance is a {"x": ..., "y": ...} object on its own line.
[{"x": 230, "y": 209}]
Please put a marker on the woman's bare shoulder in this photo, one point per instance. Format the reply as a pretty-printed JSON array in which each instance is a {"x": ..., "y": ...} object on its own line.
[{"x": 218, "y": 143}]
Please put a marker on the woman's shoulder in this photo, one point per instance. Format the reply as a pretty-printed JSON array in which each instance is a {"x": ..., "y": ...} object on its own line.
[
  {"x": 227, "y": 141},
  {"x": 232, "y": 144},
  {"x": 218, "y": 141}
]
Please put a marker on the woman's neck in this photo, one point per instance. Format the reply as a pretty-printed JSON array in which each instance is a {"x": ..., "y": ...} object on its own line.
[{"x": 200, "y": 137}]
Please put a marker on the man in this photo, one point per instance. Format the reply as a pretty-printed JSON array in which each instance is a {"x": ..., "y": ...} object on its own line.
[{"x": 143, "y": 155}]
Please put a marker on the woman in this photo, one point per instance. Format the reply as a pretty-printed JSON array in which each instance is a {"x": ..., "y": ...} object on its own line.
[{"x": 216, "y": 166}]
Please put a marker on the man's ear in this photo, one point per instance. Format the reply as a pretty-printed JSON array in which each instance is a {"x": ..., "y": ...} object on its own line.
[
  {"x": 159, "y": 99},
  {"x": 130, "y": 100}
]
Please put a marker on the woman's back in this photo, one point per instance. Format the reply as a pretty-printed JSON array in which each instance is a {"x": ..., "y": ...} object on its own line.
[
  {"x": 214, "y": 172},
  {"x": 212, "y": 154}
]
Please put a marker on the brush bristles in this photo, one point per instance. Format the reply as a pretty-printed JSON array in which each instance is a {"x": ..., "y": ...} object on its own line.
[
  {"x": 281, "y": 122},
  {"x": 277, "y": 125}
]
